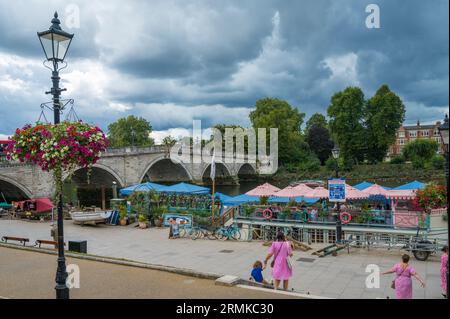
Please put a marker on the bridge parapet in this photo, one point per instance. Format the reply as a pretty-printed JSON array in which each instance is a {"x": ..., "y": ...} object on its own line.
[{"x": 134, "y": 150}]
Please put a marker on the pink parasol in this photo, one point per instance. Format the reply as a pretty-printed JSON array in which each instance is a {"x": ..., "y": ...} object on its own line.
[
  {"x": 376, "y": 189},
  {"x": 353, "y": 193},
  {"x": 264, "y": 190},
  {"x": 318, "y": 192},
  {"x": 289, "y": 192},
  {"x": 303, "y": 189}
]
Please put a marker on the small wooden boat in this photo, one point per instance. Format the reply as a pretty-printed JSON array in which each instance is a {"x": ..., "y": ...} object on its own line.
[{"x": 90, "y": 217}]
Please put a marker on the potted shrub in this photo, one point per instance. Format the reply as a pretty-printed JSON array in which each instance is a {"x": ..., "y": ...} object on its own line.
[
  {"x": 158, "y": 213},
  {"x": 143, "y": 220},
  {"x": 123, "y": 215}
]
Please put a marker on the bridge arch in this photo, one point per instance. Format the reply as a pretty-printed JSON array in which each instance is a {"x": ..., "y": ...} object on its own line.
[
  {"x": 246, "y": 169},
  {"x": 95, "y": 191},
  {"x": 163, "y": 169},
  {"x": 20, "y": 192},
  {"x": 222, "y": 172}
]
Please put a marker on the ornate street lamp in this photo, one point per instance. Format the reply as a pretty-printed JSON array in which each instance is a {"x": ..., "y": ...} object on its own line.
[
  {"x": 443, "y": 131},
  {"x": 336, "y": 152},
  {"x": 55, "y": 43}
]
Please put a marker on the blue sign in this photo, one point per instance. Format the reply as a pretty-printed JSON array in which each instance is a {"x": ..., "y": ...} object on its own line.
[
  {"x": 177, "y": 218},
  {"x": 336, "y": 189}
]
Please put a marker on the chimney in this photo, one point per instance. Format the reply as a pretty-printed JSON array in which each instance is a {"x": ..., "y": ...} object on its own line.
[{"x": 418, "y": 123}]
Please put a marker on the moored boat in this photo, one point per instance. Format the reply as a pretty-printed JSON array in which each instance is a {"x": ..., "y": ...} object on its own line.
[{"x": 91, "y": 217}]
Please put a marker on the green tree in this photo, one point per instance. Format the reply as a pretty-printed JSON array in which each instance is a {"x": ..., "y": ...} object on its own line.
[
  {"x": 275, "y": 113},
  {"x": 346, "y": 123},
  {"x": 168, "y": 142},
  {"x": 317, "y": 119},
  {"x": 420, "y": 151},
  {"x": 130, "y": 131},
  {"x": 384, "y": 114},
  {"x": 319, "y": 141}
]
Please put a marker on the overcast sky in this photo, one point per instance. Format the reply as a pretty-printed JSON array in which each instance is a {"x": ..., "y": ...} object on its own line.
[{"x": 175, "y": 61}]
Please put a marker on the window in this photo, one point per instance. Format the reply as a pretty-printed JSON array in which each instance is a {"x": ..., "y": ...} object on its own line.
[
  {"x": 436, "y": 132},
  {"x": 437, "y": 139},
  {"x": 401, "y": 134},
  {"x": 401, "y": 141},
  {"x": 425, "y": 133},
  {"x": 412, "y": 133}
]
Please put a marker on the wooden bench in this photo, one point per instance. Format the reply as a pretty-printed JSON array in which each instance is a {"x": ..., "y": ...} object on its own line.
[
  {"x": 19, "y": 239},
  {"x": 40, "y": 242}
]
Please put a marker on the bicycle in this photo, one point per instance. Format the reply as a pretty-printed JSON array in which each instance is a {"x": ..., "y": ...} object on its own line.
[
  {"x": 225, "y": 233},
  {"x": 201, "y": 232},
  {"x": 188, "y": 231}
]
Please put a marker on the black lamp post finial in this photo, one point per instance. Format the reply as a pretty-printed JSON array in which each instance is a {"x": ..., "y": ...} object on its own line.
[{"x": 55, "y": 22}]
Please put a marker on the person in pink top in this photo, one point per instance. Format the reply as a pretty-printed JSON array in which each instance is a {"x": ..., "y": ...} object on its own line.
[
  {"x": 280, "y": 250},
  {"x": 444, "y": 264},
  {"x": 403, "y": 280}
]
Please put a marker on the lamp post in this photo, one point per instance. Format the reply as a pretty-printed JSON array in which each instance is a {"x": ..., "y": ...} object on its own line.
[
  {"x": 335, "y": 151},
  {"x": 443, "y": 131},
  {"x": 55, "y": 43}
]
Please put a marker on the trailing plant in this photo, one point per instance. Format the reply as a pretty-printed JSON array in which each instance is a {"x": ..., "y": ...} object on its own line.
[
  {"x": 431, "y": 197},
  {"x": 60, "y": 148}
]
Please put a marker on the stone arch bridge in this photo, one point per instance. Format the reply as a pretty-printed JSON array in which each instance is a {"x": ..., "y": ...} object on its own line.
[{"x": 125, "y": 167}]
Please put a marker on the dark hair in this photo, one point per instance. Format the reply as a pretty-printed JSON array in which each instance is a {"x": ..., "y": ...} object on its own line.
[
  {"x": 280, "y": 236},
  {"x": 405, "y": 258},
  {"x": 257, "y": 264},
  {"x": 445, "y": 249}
]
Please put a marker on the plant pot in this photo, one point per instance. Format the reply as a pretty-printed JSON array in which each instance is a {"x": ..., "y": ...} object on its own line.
[
  {"x": 123, "y": 222},
  {"x": 158, "y": 222},
  {"x": 143, "y": 225}
]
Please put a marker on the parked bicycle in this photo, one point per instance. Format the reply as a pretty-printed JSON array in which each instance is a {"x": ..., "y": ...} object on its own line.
[
  {"x": 188, "y": 231},
  {"x": 201, "y": 232},
  {"x": 230, "y": 232}
]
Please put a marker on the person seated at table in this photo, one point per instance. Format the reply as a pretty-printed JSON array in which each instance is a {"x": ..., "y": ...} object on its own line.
[{"x": 313, "y": 214}]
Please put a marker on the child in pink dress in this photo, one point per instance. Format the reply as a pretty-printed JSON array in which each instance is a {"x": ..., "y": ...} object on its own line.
[
  {"x": 444, "y": 262},
  {"x": 403, "y": 279}
]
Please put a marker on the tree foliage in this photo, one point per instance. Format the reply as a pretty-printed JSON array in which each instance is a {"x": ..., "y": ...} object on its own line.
[
  {"x": 319, "y": 142},
  {"x": 317, "y": 119},
  {"x": 420, "y": 151},
  {"x": 130, "y": 131},
  {"x": 384, "y": 114},
  {"x": 275, "y": 113},
  {"x": 346, "y": 113}
]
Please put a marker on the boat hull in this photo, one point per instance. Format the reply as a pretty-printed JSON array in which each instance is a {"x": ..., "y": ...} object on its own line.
[{"x": 90, "y": 217}]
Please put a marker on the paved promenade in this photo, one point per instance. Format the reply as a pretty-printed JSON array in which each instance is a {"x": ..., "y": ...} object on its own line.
[
  {"x": 337, "y": 277},
  {"x": 103, "y": 280}
]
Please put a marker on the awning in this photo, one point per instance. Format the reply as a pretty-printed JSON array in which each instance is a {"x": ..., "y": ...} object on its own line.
[
  {"x": 411, "y": 186},
  {"x": 185, "y": 188},
  {"x": 144, "y": 187}
]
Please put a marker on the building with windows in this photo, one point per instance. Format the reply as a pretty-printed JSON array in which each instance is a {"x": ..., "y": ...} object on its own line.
[{"x": 408, "y": 133}]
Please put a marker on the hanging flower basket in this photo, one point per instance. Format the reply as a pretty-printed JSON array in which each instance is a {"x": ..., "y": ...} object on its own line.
[{"x": 58, "y": 148}]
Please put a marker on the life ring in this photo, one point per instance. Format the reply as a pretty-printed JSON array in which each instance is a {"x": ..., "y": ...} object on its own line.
[
  {"x": 267, "y": 213},
  {"x": 347, "y": 218}
]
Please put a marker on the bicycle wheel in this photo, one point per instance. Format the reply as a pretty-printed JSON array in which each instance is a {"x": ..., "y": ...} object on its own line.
[
  {"x": 183, "y": 233},
  {"x": 194, "y": 234},
  {"x": 222, "y": 234},
  {"x": 236, "y": 235}
]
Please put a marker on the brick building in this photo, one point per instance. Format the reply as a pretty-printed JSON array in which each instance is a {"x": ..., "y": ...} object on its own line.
[{"x": 408, "y": 133}]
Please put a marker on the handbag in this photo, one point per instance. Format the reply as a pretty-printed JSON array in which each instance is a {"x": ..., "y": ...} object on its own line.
[{"x": 393, "y": 281}]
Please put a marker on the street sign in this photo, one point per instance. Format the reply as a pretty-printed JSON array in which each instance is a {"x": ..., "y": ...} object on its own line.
[{"x": 336, "y": 189}]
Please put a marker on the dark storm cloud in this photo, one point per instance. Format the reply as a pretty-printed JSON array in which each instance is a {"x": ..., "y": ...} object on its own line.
[{"x": 175, "y": 57}]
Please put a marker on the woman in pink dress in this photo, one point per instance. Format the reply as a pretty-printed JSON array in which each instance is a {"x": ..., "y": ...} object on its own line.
[
  {"x": 444, "y": 262},
  {"x": 280, "y": 250},
  {"x": 403, "y": 280}
]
